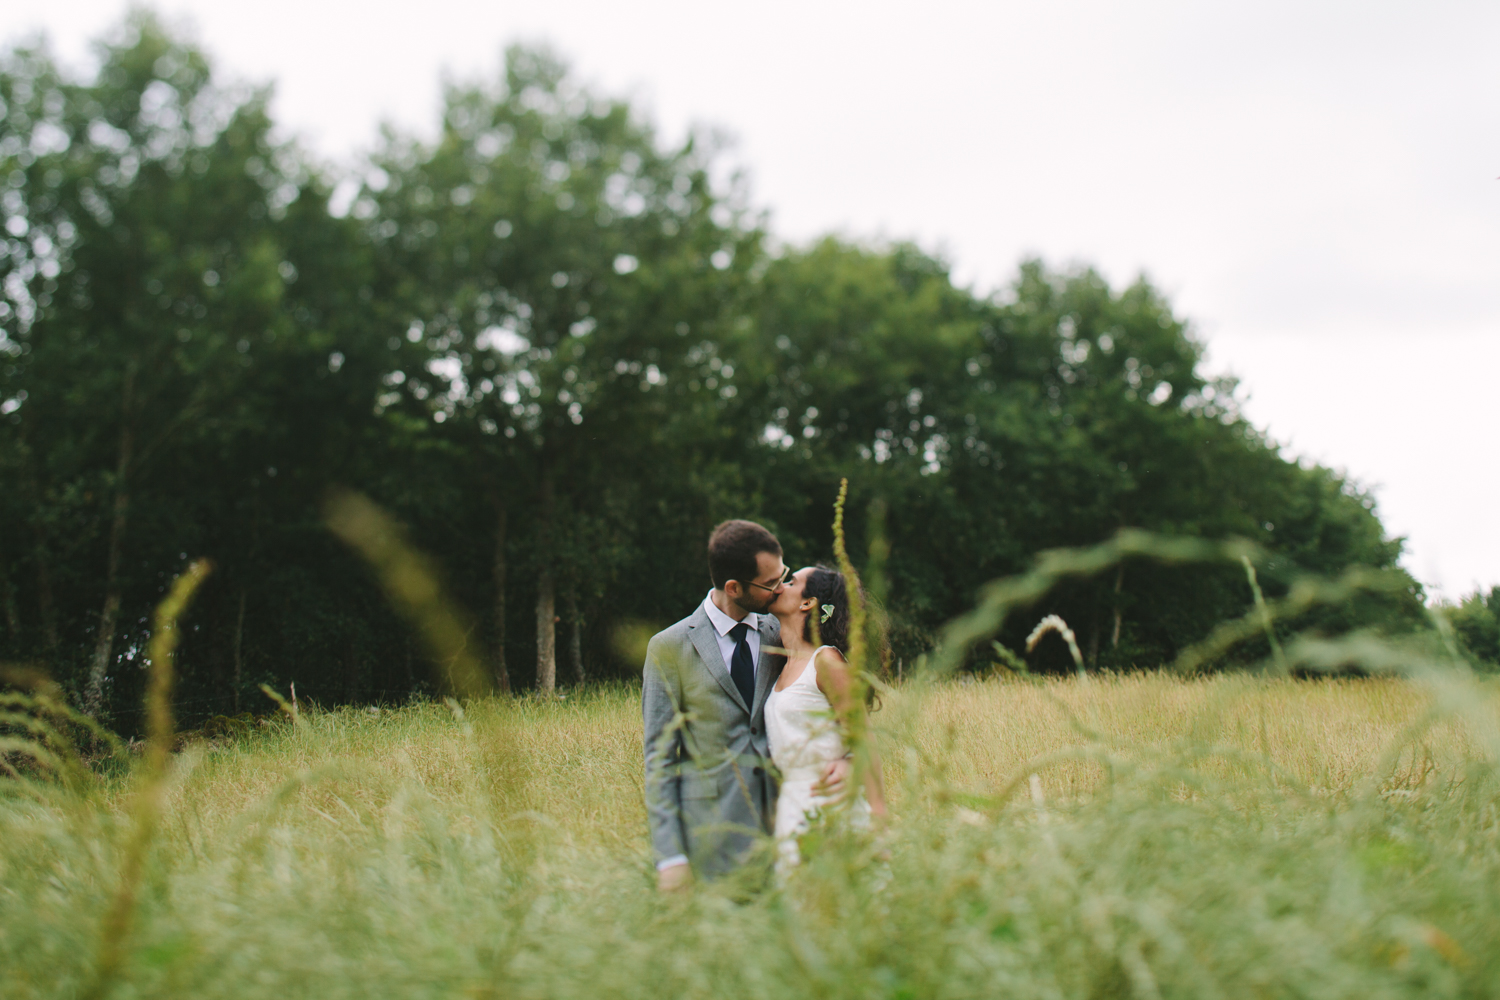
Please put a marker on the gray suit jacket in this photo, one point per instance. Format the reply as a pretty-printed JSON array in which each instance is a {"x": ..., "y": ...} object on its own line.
[{"x": 708, "y": 791}]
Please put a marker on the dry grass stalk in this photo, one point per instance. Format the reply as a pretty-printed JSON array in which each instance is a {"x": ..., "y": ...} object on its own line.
[
  {"x": 411, "y": 581},
  {"x": 1054, "y": 623},
  {"x": 149, "y": 796}
]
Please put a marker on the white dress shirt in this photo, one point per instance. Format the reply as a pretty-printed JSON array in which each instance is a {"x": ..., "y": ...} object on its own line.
[{"x": 723, "y": 625}]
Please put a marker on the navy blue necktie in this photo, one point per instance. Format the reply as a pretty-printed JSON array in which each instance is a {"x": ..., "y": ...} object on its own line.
[{"x": 742, "y": 667}]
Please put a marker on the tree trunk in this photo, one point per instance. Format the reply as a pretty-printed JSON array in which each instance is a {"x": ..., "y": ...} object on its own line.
[
  {"x": 8, "y": 599},
  {"x": 109, "y": 615},
  {"x": 351, "y": 673},
  {"x": 1114, "y": 640},
  {"x": 546, "y": 633},
  {"x": 497, "y": 625},
  {"x": 575, "y": 637},
  {"x": 546, "y": 604},
  {"x": 45, "y": 606},
  {"x": 239, "y": 637}
]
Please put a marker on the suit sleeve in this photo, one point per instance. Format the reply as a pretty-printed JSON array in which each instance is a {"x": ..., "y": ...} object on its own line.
[{"x": 661, "y": 703}]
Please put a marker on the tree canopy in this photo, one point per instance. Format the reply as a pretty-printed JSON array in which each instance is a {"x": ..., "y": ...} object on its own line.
[{"x": 559, "y": 351}]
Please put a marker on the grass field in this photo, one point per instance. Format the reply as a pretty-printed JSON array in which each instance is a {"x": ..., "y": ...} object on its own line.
[{"x": 1221, "y": 837}]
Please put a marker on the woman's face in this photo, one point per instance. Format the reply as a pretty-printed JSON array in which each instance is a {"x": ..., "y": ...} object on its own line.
[{"x": 790, "y": 600}]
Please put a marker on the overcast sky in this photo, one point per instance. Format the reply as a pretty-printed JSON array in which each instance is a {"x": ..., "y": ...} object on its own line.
[{"x": 1314, "y": 184}]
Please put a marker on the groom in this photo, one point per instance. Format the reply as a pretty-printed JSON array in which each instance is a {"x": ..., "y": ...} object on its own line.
[{"x": 708, "y": 793}]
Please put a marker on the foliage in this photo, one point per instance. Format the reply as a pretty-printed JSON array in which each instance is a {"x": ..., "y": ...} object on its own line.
[
  {"x": 1476, "y": 619},
  {"x": 558, "y": 350},
  {"x": 166, "y": 359}
]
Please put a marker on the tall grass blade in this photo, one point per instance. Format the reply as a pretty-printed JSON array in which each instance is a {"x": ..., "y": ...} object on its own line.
[
  {"x": 115, "y": 932},
  {"x": 1265, "y": 615},
  {"x": 411, "y": 582}
]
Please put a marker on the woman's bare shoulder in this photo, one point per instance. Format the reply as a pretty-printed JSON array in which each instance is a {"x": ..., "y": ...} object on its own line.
[{"x": 830, "y": 656}]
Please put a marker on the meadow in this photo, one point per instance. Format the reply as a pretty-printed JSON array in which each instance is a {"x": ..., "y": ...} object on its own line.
[
  {"x": 1121, "y": 835},
  {"x": 1184, "y": 832}
]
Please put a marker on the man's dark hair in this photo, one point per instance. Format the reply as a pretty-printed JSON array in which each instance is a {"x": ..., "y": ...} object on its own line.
[{"x": 732, "y": 549}]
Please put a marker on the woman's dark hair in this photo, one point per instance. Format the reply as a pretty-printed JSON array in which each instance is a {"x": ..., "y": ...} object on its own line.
[
  {"x": 826, "y": 586},
  {"x": 732, "y": 549}
]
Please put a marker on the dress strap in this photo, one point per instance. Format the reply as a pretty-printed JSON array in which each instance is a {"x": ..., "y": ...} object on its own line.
[{"x": 812, "y": 665}]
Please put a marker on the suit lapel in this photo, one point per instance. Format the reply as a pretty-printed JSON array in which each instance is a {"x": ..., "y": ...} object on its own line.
[
  {"x": 770, "y": 663},
  {"x": 706, "y": 642}
]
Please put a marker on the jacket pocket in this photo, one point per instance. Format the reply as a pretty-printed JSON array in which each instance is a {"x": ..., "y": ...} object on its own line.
[{"x": 698, "y": 785}]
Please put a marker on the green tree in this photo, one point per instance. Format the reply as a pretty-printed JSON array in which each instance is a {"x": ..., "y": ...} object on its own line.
[
  {"x": 1051, "y": 416},
  {"x": 560, "y": 267},
  {"x": 159, "y": 335},
  {"x": 1476, "y": 619},
  {"x": 560, "y": 352},
  {"x": 142, "y": 207}
]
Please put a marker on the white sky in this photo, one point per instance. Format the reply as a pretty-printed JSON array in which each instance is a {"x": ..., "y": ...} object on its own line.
[{"x": 1314, "y": 184}]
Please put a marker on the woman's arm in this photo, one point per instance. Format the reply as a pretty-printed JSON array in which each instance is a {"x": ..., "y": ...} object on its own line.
[{"x": 838, "y": 683}]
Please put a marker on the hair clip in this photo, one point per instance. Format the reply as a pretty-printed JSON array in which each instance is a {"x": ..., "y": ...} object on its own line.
[{"x": 827, "y": 613}]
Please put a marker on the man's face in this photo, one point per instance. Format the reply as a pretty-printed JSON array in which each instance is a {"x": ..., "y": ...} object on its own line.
[{"x": 755, "y": 596}]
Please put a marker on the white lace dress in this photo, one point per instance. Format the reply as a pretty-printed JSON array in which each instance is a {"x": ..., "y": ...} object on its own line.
[{"x": 805, "y": 739}]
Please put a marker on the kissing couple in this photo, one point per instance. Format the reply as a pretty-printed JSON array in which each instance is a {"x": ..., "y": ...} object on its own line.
[{"x": 742, "y": 684}]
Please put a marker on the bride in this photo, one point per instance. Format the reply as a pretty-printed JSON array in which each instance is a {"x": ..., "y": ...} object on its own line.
[{"x": 803, "y": 711}]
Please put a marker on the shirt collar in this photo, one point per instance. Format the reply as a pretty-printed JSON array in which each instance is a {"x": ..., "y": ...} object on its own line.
[{"x": 722, "y": 623}]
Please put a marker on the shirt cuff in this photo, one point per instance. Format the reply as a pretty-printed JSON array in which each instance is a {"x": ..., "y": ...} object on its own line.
[{"x": 676, "y": 859}]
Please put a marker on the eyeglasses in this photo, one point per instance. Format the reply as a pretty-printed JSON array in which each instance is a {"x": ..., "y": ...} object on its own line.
[{"x": 786, "y": 573}]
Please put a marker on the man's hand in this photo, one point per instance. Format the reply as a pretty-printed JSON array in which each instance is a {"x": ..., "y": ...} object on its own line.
[
  {"x": 674, "y": 878},
  {"x": 835, "y": 781}
]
